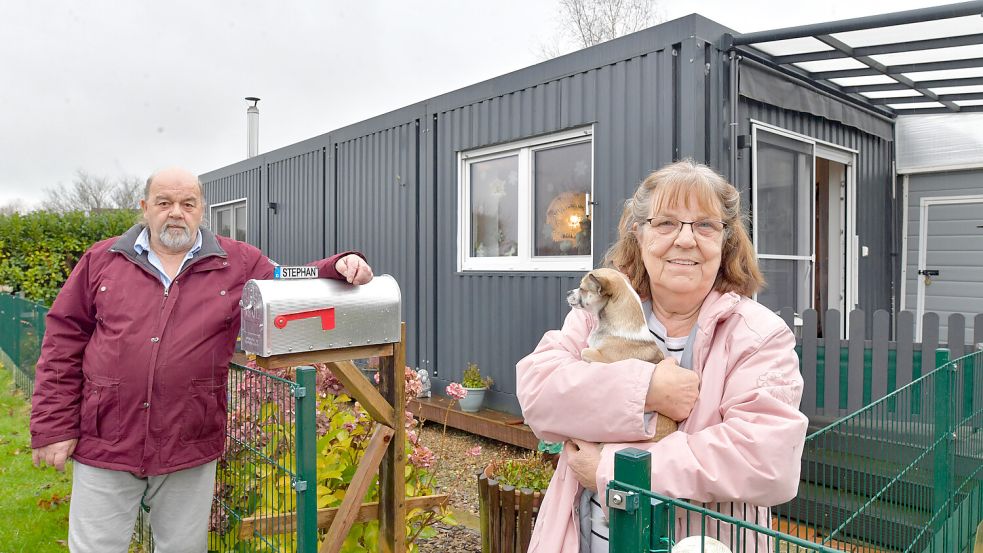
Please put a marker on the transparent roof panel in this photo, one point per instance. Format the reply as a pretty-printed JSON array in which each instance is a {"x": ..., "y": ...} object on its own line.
[
  {"x": 791, "y": 46},
  {"x": 958, "y": 89},
  {"x": 914, "y": 31},
  {"x": 946, "y": 74},
  {"x": 892, "y": 93},
  {"x": 830, "y": 65},
  {"x": 917, "y": 105},
  {"x": 938, "y": 54},
  {"x": 969, "y": 102},
  {"x": 868, "y": 79}
]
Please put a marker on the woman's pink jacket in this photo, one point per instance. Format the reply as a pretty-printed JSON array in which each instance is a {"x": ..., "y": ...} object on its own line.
[{"x": 741, "y": 446}]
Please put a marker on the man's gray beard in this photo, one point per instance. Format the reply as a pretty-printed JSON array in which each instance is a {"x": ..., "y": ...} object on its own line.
[{"x": 172, "y": 242}]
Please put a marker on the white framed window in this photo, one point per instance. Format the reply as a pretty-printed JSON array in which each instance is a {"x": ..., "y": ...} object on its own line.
[
  {"x": 526, "y": 206},
  {"x": 229, "y": 219}
]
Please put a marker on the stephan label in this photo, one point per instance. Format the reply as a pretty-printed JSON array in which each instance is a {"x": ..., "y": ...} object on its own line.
[{"x": 306, "y": 271}]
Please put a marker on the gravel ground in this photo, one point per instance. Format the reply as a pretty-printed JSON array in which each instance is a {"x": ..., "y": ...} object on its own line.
[{"x": 457, "y": 474}]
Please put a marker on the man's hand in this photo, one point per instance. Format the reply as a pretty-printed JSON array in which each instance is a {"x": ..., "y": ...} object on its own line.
[
  {"x": 583, "y": 458},
  {"x": 673, "y": 390},
  {"x": 54, "y": 454},
  {"x": 354, "y": 269}
]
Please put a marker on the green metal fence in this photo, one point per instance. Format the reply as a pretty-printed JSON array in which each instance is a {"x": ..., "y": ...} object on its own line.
[
  {"x": 904, "y": 473},
  {"x": 21, "y": 331},
  {"x": 265, "y": 487},
  {"x": 641, "y": 520}
]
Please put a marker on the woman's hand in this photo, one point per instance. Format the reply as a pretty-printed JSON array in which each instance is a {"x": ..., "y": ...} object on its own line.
[
  {"x": 672, "y": 390},
  {"x": 583, "y": 458}
]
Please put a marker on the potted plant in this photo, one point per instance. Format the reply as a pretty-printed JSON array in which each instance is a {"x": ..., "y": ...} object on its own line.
[
  {"x": 475, "y": 384},
  {"x": 510, "y": 492}
]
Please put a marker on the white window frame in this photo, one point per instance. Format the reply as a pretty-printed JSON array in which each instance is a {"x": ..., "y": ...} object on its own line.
[
  {"x": 839, "y": 154},
  {"x": 231, "y": 205},
  {"x": 524, "y": 261}
]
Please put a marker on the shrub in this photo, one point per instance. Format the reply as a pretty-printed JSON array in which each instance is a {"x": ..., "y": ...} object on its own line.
[
  {"x": 532, "y": 472},
  {"x": 39, "y": 250},
  {"x": 472, "y": 378}
]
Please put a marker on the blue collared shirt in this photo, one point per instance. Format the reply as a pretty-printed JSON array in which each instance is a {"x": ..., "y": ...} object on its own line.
[{"x": 143, "y": 245}]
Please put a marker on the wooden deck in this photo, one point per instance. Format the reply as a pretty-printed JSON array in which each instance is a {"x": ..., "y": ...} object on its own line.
[{"x": 504, "y": 427}]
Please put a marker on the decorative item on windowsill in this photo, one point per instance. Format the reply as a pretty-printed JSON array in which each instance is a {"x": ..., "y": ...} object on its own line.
[
  {"x": 510, "y": 492},
  {"x": 475, "y": 384},
  {"x": 568, "y": 223}
]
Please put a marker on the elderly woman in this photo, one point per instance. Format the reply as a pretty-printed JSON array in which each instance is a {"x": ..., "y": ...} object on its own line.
[{"x": 730, "y": 374}]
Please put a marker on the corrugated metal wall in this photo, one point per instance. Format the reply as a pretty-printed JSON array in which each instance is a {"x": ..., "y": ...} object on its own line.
[
  {"x": 874, "y": 174},
  {"x": 296, "y": 226},
  {"x": 244, "y": 183},
  {"x": 375, "y": 179}
]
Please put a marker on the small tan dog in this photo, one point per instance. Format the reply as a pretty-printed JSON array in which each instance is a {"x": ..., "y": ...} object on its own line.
[{"x": 622, "y": 331}]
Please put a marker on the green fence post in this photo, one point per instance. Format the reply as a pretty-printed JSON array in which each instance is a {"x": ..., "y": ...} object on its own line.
[
  {"x": 18, "y": 333},
  {"x": 943, "y": 436},
  {"x": 629, "y": 514},
  {"x": 306, "y": 443},
  {"x": 968, "y": 384}
]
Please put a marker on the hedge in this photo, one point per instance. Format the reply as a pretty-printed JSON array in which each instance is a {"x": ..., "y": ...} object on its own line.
[{"x": 39, "y": 250}]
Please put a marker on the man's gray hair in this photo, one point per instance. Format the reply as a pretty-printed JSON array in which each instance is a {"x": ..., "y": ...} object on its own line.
[
  {"x": 205, "y": 219},
  {"x": 150, "y": 180}
]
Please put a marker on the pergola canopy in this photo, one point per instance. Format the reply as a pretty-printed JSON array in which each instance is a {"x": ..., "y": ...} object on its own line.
[{"x": 928, "y": 60}]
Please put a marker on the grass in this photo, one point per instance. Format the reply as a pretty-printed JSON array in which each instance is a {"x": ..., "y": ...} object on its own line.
[{"x": 34, "y": 502}]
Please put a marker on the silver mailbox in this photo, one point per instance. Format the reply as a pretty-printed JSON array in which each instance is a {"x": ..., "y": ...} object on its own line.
[{"x": 293, "y": 316}]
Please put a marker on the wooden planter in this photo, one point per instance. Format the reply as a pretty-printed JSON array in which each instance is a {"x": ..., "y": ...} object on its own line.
[{"x": 507, "y": 515}]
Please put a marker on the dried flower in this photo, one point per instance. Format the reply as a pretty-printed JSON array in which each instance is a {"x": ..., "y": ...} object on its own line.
[
  {"x": 421, "y": 457},
  {"x": 456, "y": 391},
  {"x": 413, "y": 383}
]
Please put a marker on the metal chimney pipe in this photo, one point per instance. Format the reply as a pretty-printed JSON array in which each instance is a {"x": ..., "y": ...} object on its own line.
[{"x": 252, "y": 127}]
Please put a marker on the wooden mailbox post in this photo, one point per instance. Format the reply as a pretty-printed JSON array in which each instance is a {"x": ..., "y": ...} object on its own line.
[{"x": 385, "y": 453}]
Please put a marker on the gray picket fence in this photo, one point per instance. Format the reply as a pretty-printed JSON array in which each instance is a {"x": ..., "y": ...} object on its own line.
[{"x": 862, "y": 368}]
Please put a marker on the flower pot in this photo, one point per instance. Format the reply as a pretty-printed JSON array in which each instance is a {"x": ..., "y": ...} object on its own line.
[
  {"x": 507, "y": 515},
  {"x": 474, "y": 400}
]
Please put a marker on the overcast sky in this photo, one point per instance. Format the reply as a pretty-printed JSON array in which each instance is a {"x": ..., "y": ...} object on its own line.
[{"x": 124, "y": 87}]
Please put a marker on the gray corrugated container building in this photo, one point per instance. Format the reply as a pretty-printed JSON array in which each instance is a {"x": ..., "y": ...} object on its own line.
[{"x": 390, "y": 186}]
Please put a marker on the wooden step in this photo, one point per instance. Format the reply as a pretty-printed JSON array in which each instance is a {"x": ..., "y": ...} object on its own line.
[
  {"x": 866, "y": 477},
  {"x": 497, "y": 425},
  {"x": 879, "y": 524},
  {"x": 903, "y": 450}
]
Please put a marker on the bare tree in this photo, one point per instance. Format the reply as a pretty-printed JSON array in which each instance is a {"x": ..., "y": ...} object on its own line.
[
  {"x": 16, "y": 205},
  {"x": 584, "y": 23},
  {"x": 128, "y": 193},
  {"x": 93, "y": 193}
]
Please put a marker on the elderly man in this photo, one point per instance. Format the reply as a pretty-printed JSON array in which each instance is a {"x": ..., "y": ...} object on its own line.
[{"x": 131, "y": 382}]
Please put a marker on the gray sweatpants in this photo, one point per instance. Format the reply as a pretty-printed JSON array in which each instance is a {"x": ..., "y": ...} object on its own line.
[{"x": 105, "y": 503}]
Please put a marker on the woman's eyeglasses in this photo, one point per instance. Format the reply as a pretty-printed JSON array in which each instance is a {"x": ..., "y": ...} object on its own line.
[{"x": 707, "y": 228}]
